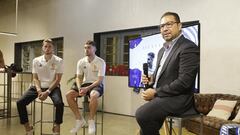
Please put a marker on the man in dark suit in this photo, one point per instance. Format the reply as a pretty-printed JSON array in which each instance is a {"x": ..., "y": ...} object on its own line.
[{"x": 172, "y": 83}]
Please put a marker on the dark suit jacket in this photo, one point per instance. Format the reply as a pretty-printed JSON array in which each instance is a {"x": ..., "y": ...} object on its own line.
[{"x": 177, "y": 77}]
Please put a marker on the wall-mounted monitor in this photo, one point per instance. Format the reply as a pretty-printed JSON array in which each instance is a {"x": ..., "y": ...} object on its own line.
[{"x": 145, "y": 50}]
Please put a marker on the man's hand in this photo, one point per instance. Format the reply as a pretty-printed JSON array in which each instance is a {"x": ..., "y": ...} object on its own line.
[
  {"x": 43, "y": 95},
  {"x": 145, "y": 80},
  {"x": 148, "y": 94},
  {"x": 83, "y": 91},
  {"x": 39, "y": 92}
]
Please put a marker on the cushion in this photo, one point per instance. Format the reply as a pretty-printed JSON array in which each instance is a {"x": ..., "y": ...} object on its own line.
[
  {"x": 237, "y": 118},
  {"x": 222, "y": 109}
]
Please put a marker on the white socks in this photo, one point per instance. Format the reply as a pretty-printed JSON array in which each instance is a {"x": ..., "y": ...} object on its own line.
[
  {"x": 91, "y": 127},
  {"x": 79, "y": 124}
]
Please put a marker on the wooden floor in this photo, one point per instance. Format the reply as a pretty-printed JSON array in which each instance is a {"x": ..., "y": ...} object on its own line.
[{"x": 113, "y": 124}]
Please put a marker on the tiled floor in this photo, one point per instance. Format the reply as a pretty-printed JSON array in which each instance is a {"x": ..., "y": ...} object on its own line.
[{"x": 113, "y": 124}]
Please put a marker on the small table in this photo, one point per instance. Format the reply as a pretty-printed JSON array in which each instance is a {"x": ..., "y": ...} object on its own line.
[{"x": 230, "y": 129}]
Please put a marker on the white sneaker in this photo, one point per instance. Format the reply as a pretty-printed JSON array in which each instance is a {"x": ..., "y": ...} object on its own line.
[
  {"x": 91, "y": 126},
  {"x": 79, "y": 124}
]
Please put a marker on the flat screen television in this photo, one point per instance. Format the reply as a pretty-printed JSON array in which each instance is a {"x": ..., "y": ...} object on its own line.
[{"x": 145, "y": 50}]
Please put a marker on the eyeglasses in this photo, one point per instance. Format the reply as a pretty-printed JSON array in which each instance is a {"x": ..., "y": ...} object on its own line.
[{"x": 168, "y": 24}]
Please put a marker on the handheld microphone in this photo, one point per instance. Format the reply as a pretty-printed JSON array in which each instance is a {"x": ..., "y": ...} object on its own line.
[{"x": 145, "y": 72}]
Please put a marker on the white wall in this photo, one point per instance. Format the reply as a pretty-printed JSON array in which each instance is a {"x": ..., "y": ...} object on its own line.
[{"x": 77, "y": 20}]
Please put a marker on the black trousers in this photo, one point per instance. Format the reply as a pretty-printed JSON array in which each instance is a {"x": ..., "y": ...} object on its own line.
[
  {"x": 31, "y": 94},
  {"x": 152, "y": 114},
  {"x": 150, "y": 117}
]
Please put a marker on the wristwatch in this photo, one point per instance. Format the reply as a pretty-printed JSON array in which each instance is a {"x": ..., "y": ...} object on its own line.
[{"x": 48, "y": 91}]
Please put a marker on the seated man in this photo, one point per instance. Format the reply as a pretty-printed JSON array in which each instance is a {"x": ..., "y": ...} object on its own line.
[
  {"x": 47, "y": 72},
  {"x": 173, "y": 81},
  {"x": 89, "y": 81}
]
